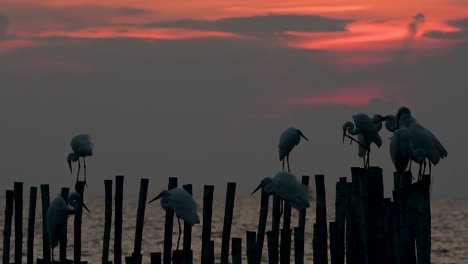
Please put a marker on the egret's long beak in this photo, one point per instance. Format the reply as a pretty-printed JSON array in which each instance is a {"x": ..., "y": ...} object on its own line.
[
  {"x": 302, "y": 135},
  {"x": 69, "y": 165},
  {"x": 381, "y": 119},
  {"x": 258, "y": 187},
  {"x": 155, "y": 198},
  {"x": 85, "y": 207}
]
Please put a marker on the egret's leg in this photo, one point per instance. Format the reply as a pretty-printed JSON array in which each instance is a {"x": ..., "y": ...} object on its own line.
[
  {"x": 410, "y": 161},
  {"x": 287, "y": 160},
  {"x": 424, "y": 168},
  {"x": 368, "y": 155},
  {"x": 281, "y": 208},
  {"x": 84, "y": 165},
  {"x": 420, "y": 170},
  {"x": 283, "y": 164},
  {"x": 78, "y": 173},
  {"x": 52, "y": 255},
  {"x": 430, "y": 168},
  {"x": 364, "y": 161},
  {"x": 180, "y": 231}
]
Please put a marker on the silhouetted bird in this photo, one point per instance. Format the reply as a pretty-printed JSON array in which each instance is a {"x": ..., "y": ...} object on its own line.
[
  {"x": 82, "y": 147},
  {"x": 288, "y": 140}
]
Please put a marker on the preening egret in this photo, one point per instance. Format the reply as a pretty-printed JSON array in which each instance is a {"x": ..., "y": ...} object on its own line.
[
  {"x": 182, "y": 204},
  {"x": 364, "y": 125},
  {"x": 288, "y": 140},
  {"x": 82, "y": 147},
  {"x": 57, "y": 215},
  {"x": 287, "y": 188},
  {"x": 364, "y": 144},
  {"x": 402, "y": 151},
  {"x": 420, "y": 136}
]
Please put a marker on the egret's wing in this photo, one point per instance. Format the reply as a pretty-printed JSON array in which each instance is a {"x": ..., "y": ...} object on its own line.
[
  {"x": 367, "y": 127},
  {"x": 184, "y": 206},
  {"x": 440, "y": 148},
  {"x": 288, "y": 140},
  {"x": 81, "y": 144},
  {"x": 423, "y": 138}
]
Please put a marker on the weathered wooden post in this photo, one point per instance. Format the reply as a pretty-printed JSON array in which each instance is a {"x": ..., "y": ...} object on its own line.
[
  {"x": 319, "y": 242},
  {"x": 340, "y": 216},
  {"x": 334, "y": 255},
  {"x": 45, "y": 237},
  {"x": 31, "y": 223},
  {"x": 275, "y": 226},
  {"x": 236, "y": 250},
  {"x": 423, "y": 241},
  {"x": 262, "y": 220},
  {"x": 168, "y": 226},
  {"x": 140, "y": 221},
  {"x": 299, "y": 245},
  {"x": 206, "y": 228},
  {"x": 251, "y": 247},
  {"x": 210, "y": 253},
  {"x": 229, "y": 207},
  {"x": 63, "y": 243},
  {"x": 119, "y": 182},
  {"x": 272, "y": 237},
  {"x": 364, "y": 207},
  {"x": 187, "y": 244},
  {"x": 156, "y": 258},
  {"x": 388, "y": 231},
  {"x": 18, "y": 190},
  {"x": 285, "y": 246},
  {"x": 107, "y": 220},
  {"x": 376, "y": 240},
  {"x": 77, "y": 224},
  {"x": 10, "y": 196}
]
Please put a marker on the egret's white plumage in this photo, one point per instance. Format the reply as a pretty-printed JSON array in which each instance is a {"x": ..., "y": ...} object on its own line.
[
  {"x": 368, "y": 129},
  {"x": 364, "y": 144},
  {"x": 182, "y": 204},
  {"x": 288, "y": 140},
  {"x": 57, "y": 215},
  {"x": 402, "y": 150},
  {"x": 287, "y": 188},
  {"x": 82, "y": 147}
]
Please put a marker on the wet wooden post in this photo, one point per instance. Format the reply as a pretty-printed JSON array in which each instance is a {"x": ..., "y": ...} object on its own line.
[
  {"x": 187, "y": 244},
  {"x": 302, "y": 213},
  {"x": 63, "y": 243},
  {"x": 388, "y": 231},
  {"x": 77, "y": 225},
  {"x": 376, "y": 240},
  {"x": 169, "y": 226},
  {"x": 207, "y": 215},
  {"x": 340, "y": 217},
  {"x": 299, "y": 245},
  {"x": 285, "y": 246},
  {"x": 9, "y": 197},
  {"x": 119, "y": 182},
  {"x": 319, "y": 242},
  {"x": 140, "y": 220},
  {"x": 45, "y": 237},
  {"x": 18, "y": 191},
  {"x": 423, "y": 241},
  {"x": 354, "y": 250},
  {"x": 228, "y": 213},
  {"x": 275, "y": 224},
  {"x": 210, "y": 259},
  {"x": 251, "y": 250},
  {"x": 262, "y": 220},
  {"x": 178, "y": 257},
  {"x": 155, "y": 258},
  {"x": 363, "y": 205},
  {"x": 272, "y": 237},
  {"x": 236, "y": 250},
  {"x": 107, "y": 220},
  {"x": 334, "y": 255},
  {"x": 31, "y": 223}
]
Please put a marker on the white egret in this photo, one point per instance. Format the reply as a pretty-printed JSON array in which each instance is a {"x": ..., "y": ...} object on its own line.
[
  {"x": 182, "y": 204},
  {"x": 82, "y": 147},
  {"x": 366, "y": 126},
  {"x": 364, "y": 144},
  {"x": 288, "y": 140},
  {"x": 402, "y": 151},
  {"x": 287, "y": 188},
  {"x": 57, "y": 215}
]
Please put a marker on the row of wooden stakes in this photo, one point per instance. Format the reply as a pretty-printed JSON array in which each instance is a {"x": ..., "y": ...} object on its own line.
[{"x": 367, "y": 227}]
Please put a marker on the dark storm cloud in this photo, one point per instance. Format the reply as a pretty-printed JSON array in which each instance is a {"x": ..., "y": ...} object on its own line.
[
  {"x": 4, "y": 22},
  {"x": 261, "y": 24},
  {"x": 462, "y": 24},
  {"x": 129, "y": 11}
]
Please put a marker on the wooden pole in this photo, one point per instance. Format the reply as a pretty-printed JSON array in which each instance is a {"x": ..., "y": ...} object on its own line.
[
  {"x": 45, "y": 236},
  {"x": 107, "y": 220},
  {"x": 228, "y": 213},
  {"x": 363, "y": 205},
  {"x": 251, "y": 250},
  {"x": 302, "y": 213},
  {"x": 77, "y": 224},
  {"x": 156, "y": 258},
  {"x": 63, "y": 243},
  {"x": 276, "y": 211},
  {"x": 31, "y": 223},
  {"x": 285, "y": 246},
  {"x": 140, "y": 219},
  {"x": 334, "y": 254},
  {"x": 10, "y": 196},
  {"x": 376, "y": 240},
  {"x": 299, "y": 245},
  {"x": 18, "y": 190},
  {"x": 177, "y": 257},
  {"x": 119, "y": 183},
  {"x": 272, "y": 237},
  {"x": 210, "y": 253},
  {"x": 424, "y": 221},
  {"x": 340, "y": 217},
  {"x": 207, "y": 215},
  {"x": 187, "y": 246},
  {"x": 319, "y": 242},
  {"x": 262, "y": 220},
  {"x": 388, "y": 231},
  {"x": 236, "y": 251},
  {"x": 168, "y": 226}
]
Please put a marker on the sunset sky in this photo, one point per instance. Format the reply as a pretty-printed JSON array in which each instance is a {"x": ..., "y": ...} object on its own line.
[{"x": 202, "y": 90}]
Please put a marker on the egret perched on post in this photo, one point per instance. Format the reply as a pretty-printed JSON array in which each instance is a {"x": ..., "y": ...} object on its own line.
[
  {"x": 57, "y": 215},
  {"x": 364, "y": 144},
  {"x": 182, "y": 204},
  {"x": 82, "y": 147},
  {"x": 287, "y": 188},
  {"x": 366, "y": 126},
  {"x": 402, "y": 151},
  {"x": 288, "y": 140}
]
